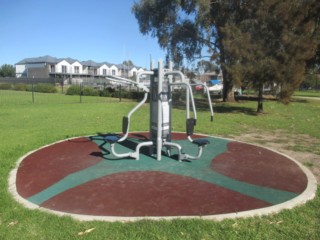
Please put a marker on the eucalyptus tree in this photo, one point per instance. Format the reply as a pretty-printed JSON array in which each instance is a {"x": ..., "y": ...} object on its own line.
[
  {"x": 257, "y": 41},
  {"x": 185, "y": 27},
  {"x": 272, "y": 44}
]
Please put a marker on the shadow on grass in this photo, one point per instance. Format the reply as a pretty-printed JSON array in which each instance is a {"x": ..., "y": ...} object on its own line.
[
  {"x": 220, "y": 108},
  {"x": 300, "y": 100},
  {"x": 235, "y": 109}
]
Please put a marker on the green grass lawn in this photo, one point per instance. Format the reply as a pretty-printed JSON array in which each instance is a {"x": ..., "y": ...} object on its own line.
[
  {"x": 307, "y": 93},
  {"x": 25, "y": 127}
]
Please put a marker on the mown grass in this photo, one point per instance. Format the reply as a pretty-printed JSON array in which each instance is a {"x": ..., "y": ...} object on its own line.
[
  {"x": 307, "y": 93},
  {"x": 25, "y": 127}
]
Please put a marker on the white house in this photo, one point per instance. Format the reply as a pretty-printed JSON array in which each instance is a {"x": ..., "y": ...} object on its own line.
[
  {"x": 63, "y": 67},
  {"x": 47, "y": 66},
  {"x": 114, "y": 71},
  {"x": 76, "y": 68},
  {"x": 103, "y": 69}
]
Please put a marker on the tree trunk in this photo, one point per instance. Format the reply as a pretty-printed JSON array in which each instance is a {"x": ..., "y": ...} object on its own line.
[
  {"x": 227, "y": 91},
  {"x": 260, "y": 99}
]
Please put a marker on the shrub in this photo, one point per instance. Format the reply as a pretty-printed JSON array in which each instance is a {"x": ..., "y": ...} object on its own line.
[
  {"x": 44, "y": 88},
  {"x": 20, "y": 87},
  {"x": 5, "y": 86},
  {"x": 90, "y": 91},
  {"x": 105, "y": 93},
  {"x": 137, "y": 95},
  {"x": 178, "y": 95},
  {"x": 86, "y": 91},
  {"x": 73, "y": 90}
]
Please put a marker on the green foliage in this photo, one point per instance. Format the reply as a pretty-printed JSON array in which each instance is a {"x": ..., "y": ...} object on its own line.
[
  {"x": 268, "y": 41},
  {"x": 128, "y": 63},
  {"x": 43, "y": 88},
  {"x": 183, "y": 28},
  {"x": 311, "y": 81},
  {"x": 105, "y": 93},
  {"x": 20, "y": 87},
  {"x": 90, "y": 91},
  {"x": 7, "y": 70},
  {"x": 276, "y": 39},
  {"x": 208, "y": 66},
  {"x": 74, "y": 90},
  {"x": 5, "y": 86}
]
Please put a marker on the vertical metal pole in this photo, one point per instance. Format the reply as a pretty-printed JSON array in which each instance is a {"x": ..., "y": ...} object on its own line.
[
  {"x": 32, "y": 93},
  {"x": 159, "y": 127},
  {"x": 170, "y": 77},
  {"x": 120, "y": 93},
  {"x": 80, "y": 92},
  {"x": 187, "y": 102}
]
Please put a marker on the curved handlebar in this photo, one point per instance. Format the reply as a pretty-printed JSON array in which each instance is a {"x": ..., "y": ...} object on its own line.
[
  {"x": 191, "y": 96},
  {"x": 208, "y": 96},
  {"x": 112, "y": 78},
  {"x": 176, "y": 73},
  {"x": 130, "y": 113},
  {"x": 143, "y": 73}
]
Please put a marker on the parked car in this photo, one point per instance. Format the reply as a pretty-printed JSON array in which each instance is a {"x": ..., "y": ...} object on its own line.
[{"x": 215, "y": 86}]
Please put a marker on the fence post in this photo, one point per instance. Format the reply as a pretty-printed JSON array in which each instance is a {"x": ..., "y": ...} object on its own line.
[
  {"x": 32, "y": 86},
  {"x": 120, "y": 93},
  {"x": 62, "y": 82},
  {"x": 81, "y": 92}
]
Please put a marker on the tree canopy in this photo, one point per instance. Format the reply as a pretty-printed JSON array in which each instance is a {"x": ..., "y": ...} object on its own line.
[
  {"x": 7, "y": 70},
  {"x": 260, "y": 42},
  {"x": 272, "y": 44},
  {"x": 128, "y": 63}
]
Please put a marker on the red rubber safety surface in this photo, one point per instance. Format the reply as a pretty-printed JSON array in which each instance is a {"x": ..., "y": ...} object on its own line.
[
  {"x": 151, "y": 194},
  {"x": 79, "y": 176}
]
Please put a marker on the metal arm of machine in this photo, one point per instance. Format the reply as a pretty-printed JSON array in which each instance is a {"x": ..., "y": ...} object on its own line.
[
  {"x": 183, "y": 82},
  {"x": 143, "y": 73},
  {"x": 189, "y": 90},
  {"x": 129, "y": 116},
  {"x": 113, "y": 139},
  {"x": 125, "y": 80},
  {"x": 208, "y": 96}
]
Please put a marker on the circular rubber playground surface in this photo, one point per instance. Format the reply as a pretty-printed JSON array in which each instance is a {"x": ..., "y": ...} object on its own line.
[{"x": 81, "y": 178}]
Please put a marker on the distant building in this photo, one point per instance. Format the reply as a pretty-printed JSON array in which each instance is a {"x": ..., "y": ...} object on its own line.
[{"x": 47, "y": 66}]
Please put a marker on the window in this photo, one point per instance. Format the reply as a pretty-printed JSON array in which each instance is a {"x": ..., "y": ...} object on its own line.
[
  {"x": 52, "y": 68},
  {"x": 113, "y": 72},
  {"x": 76, "y": 69},
  {"x": 64, "y": 68},
  {"x": 104, "y": 71}
]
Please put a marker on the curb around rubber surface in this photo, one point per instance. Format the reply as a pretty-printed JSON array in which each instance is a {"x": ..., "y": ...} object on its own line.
[{"x": 308, "y": 194}]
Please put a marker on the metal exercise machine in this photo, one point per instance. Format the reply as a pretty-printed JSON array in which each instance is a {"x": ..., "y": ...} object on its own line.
[{"x": 160, "y": 91}]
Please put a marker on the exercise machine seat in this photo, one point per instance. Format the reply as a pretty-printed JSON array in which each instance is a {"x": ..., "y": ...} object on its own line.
[
  {"x": 201, "y": 142},
  {"x": 111, "y": 139}
]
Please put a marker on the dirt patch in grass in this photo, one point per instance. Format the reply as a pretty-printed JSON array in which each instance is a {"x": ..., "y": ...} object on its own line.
[{"x": 302, "y": 148}]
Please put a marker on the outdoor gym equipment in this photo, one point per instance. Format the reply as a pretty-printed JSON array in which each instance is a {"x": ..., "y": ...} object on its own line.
[{"x": 160, "y": 91}]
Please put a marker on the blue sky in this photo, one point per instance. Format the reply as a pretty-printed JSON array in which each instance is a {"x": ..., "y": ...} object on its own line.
[{"x": 98, "y": 30}]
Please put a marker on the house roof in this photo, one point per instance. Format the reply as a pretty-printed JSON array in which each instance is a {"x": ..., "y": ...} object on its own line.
[
  {"x": 54, "y": 60},
  {"x": 90, "y": 63},
  {"x": 70, "y": 60},
  {"x": 43, "y": 59}
]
